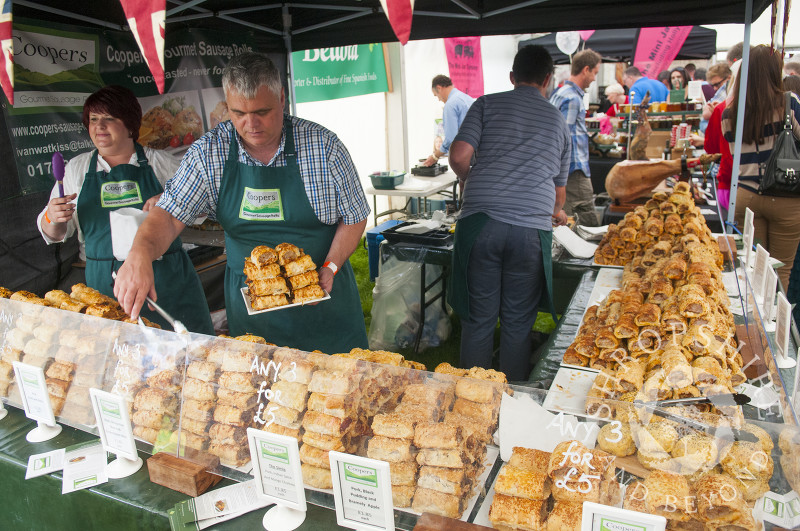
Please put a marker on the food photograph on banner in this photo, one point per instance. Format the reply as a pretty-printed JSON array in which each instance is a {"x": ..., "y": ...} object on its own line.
[{"x": 472, "y": 266}]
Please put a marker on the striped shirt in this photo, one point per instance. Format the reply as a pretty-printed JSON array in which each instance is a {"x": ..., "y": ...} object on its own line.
[
  {"x": 752, "y": 158},
  {"x": 522, "y": 146},
  {"x": 569, "y": 100},
  {"x": 329, "y": 176}
]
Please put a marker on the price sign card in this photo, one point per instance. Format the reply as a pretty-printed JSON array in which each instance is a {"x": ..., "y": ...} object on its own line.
[
  {"x": 598, "y": 517},
  {"x": 33, "y": 391},
  {"x": 84, "y": 466},
  {"x": 747, "y": 236},
  {"x": 783, "y": 323},
  {"x": 41, "y": 464},
  {"x": 362, "y": 492},
  {"x": 113, "y": 423},
  {"x": 747, "y": 249},
  {"x": 276, "y": 468},
  {"x": 770, "y": 287},
  {"x": 760, "y": 271}
]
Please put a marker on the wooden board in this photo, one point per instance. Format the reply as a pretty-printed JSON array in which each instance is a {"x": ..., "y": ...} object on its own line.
[
  {"x": 432, "y": 522},
  {"x": 751, "y": 350},
  {"x": 188, "y": 477},
  {"x": 632, "y": 465}
]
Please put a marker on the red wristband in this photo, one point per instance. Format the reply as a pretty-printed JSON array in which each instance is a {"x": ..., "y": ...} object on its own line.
[{"x": 333, "y": 267}]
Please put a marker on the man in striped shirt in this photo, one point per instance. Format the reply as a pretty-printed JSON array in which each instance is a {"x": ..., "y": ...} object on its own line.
[
  {"x": 513, "y": 195},
  {"x": 569, "y": 100}
]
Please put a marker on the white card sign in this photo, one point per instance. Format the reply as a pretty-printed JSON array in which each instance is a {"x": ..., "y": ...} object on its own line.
[
  {"x": 276, "y": 468},
  {"x": 783, "y": 324},
  {"x": 760, "y": 271},
  {"x": 113, "y": 423},
  {"x": 33, "y": 391},
  {"x": 362, "y": 492},
  {"x": 770, "y": 287},
  {"x": 747, "y": 249},
  {"x": 598, "y": 517}
]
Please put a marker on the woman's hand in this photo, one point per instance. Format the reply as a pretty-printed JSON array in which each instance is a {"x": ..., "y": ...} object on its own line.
[
  {"x": 150, "y": 203},
  {"x": 60, "y": 209}
]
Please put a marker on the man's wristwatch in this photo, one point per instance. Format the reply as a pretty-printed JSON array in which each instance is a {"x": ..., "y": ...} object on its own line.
[{"x": 330, "y": 265}]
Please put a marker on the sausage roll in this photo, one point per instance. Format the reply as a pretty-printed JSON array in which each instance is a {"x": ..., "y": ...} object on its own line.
[
  {"x": 307, "y": 294},
  {"x": 677, "y": 370},
  {"x": 230, "y": 455},
  {"x": 146, "y": 434},
  {"x": 719, "y": 500},
  {"x": 263, "y": 272},
  {"x": 327, "y": 424},
  {"x": 199, "y": 427},
  {"x": 667, "y": 495},
  {"x": 263, "y": 255},
  {"x": 237, "y": 381},
  {"x": 393, "y": 425},
  {"x": 287, "y": 252},
  {"x": 235, "y": 399},
  {"x": 268, "y": 286},
  {"x": 522, "y": 483},
  {"x": 290, "y": 394},
  {"x": 283, "y": 430},
  {"x": 268, "y": 301},
  {"x": 155, "y": 399},
  {"x": 319, "y": 478},
  {"x": 333, "y": 382},
  {"x": 233, "y": 416},
  {"x": 564, "y": 516},
  {"x": 390, "y": 450},
  {"x": 304, "y": 279},
  {"x": 205, "y": 371},
  {"x": 299, "y": 266},
  {"x": 431, "y": 501}
]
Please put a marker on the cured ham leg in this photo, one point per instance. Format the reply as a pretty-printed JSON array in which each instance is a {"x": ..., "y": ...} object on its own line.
[{"x": 630, "y": 179}]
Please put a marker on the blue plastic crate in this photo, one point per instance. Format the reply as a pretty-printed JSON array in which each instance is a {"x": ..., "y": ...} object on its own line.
[{"x": 374, "y": 239}]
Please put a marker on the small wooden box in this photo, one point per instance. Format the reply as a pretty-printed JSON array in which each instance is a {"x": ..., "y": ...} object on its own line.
[{"x": 188, "y": 477}]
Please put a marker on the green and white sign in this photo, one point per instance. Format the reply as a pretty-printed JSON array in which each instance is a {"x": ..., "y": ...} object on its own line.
[
  {"x": 120, "y": 194},
  {"x": 277, "y": 469},
  {"x": 113, "y": 423},
  {"x": 33, "y": 391},
  {"x": 597, "y": 517},
  {"x": 341, "y": 72},
  {"x": 362, "y": 492},
  {"x": 261, "y": 205}
]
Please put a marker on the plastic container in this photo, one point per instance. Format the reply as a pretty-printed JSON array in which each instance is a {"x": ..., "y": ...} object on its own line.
[
  {"x": 374, "y": 239},
  {"x": 386, "y": 180}
]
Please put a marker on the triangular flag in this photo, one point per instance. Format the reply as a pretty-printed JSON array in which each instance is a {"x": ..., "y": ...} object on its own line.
[
  {"x": 146, "y": 19},
  {"x": 399, "y": 13},
  {"x": 7, "y": 55}
]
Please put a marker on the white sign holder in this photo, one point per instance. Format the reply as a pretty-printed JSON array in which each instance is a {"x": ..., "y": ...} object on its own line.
[
  {"x": 760, "y": 272},
  {"x": 36, "y": 401},
  {"x": 362, "y": 492},
  {"x": 747, "y": 236},
  {"x": 598, "y": 517},
  {"x": 783, "y": 324},
  {"x": 770, "y": 288},
  {"x": 114, "y": 425},
  {"x": 279, "y": 478}
]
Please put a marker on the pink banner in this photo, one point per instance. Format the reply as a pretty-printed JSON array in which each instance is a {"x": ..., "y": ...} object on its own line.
[
  {"x": 464, "y": 62},
  {"x": 585, "y": 34},
  {"x": 658, "y": 47}
]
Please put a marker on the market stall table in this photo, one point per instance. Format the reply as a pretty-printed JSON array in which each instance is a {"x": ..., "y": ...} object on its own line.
[{"x": 414, "y": 187}]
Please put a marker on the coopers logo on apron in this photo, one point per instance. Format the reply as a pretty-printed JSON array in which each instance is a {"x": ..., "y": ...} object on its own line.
[
  {"x": 261, "y": 205},
  {"x": 120, "y": 194}
]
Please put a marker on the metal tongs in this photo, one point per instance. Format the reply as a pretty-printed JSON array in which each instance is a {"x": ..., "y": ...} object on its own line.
[
  {"x": 174, "y": 323},
  {"x": 723, "y": 432}
]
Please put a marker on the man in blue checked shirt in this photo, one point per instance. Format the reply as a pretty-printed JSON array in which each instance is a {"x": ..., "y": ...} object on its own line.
[
  {"x": 267, "y": 178},
  {"x": 569, "y": 100},
  {"x": 456, "y": 105}
]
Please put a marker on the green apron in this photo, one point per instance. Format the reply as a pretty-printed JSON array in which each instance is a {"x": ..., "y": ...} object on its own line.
[
  {"x": 467, "y": 231},
  {"x": 267, "y": 205},
  {"x": 177, "y": 284}
]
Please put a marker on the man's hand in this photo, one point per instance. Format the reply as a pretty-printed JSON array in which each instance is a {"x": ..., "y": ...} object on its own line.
[
  {"x": 560, "y": 218},
  {"x": 134, "y": 283},
  {"x": 430, "y": 161},
  {"x": 326, "y": 279},
  {"x": 150, "y": 203}
]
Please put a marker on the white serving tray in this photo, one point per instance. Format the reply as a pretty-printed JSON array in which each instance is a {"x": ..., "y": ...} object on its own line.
[{"x": 251, "y": 311}]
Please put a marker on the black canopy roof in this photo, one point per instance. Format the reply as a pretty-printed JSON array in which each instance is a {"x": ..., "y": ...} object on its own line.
[
  {"x": 324, "y": 23},
  {"x": 617, "y": 44}
]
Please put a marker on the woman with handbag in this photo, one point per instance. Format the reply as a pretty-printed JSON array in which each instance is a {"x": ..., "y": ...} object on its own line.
[{"x": 776, "y": 213}]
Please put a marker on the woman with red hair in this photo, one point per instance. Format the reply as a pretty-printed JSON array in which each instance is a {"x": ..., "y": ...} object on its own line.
[{"x": 121, "y": 173}]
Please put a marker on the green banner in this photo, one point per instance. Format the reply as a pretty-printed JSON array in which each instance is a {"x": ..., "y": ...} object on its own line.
[
  {"x": 333, "y": 73},
  {"x": 58, "y": 67}
]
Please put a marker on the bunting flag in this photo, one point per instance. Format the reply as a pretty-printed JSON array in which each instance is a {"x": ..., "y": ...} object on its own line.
[
  {"x": 7, "y": 56},
  {"x": 146, "y": 19},
  {"x": 585, "y": 34},
  {"x": 399, "y": 13},
  {"x": 656, "y": 48}
]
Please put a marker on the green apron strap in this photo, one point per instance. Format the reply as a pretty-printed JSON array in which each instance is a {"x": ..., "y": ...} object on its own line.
[
  {"x": 467, "y": 231},
  {"x": 546, "y": 241}
]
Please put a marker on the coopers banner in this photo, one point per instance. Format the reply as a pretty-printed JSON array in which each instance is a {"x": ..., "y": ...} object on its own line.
[
  {"x": 464, "y": 63},
  {"x": 57, "y": 69},
  {"x": 341, "y": 72},
  {"x": 656, "y": 48}
]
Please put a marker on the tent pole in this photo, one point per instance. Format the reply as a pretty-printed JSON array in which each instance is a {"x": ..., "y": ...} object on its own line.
[
  {"x": 737, "y": 145},
  {"x": 287, "y": 38}
]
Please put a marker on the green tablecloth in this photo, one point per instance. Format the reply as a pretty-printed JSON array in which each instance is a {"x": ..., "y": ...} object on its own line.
[{"x": 131, "y": 503}]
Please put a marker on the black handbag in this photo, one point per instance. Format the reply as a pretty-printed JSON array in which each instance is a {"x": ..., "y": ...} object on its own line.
[{"x": 780, "y": 175}]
